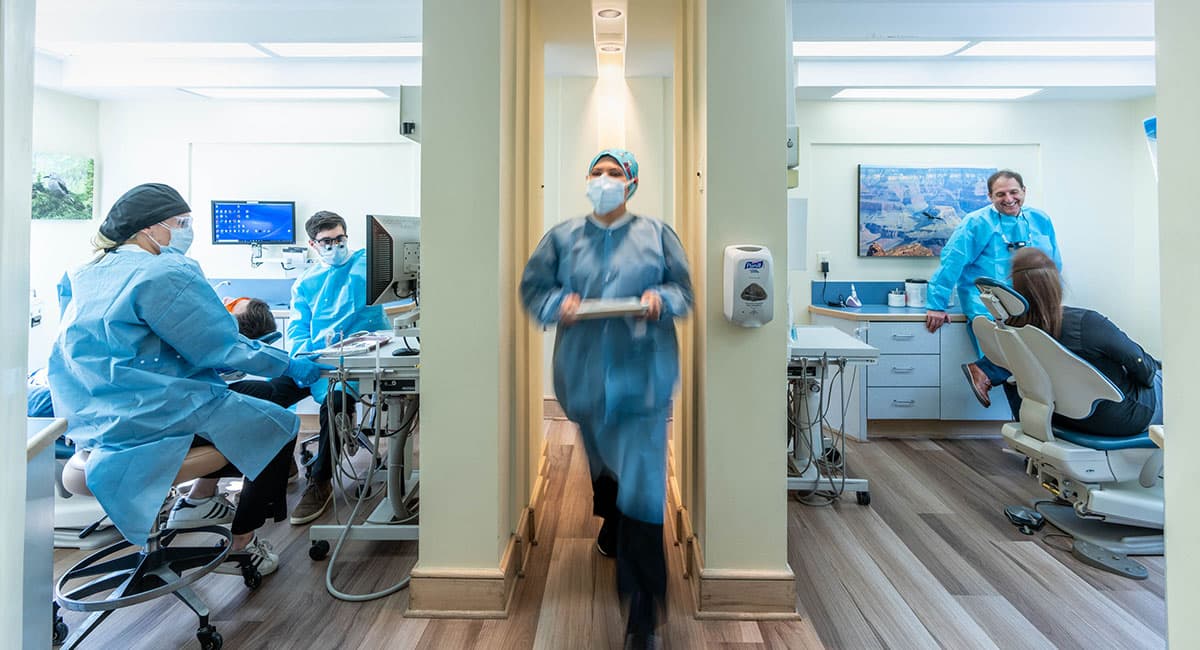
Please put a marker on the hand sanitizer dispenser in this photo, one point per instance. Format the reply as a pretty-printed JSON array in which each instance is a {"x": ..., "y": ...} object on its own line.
[{"x": 749, "y": 285}]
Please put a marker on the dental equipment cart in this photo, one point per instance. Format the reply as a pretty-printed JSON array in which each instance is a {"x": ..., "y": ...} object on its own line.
[
  {"x": 394, "y": 382},
  {"x": 818, "y": 358}
]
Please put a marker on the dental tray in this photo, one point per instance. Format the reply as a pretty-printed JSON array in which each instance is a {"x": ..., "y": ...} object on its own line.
[
  {"x": 609, "y": 308},
  {"x": 355, "y": 345}
]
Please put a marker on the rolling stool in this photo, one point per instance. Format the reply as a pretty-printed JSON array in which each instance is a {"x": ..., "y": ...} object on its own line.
[{"x": 155, "y": 570}]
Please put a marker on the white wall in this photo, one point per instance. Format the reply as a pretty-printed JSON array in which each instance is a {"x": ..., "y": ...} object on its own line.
[
  {"x": 61, "y": 124},
  {"x": 578, "y": 122},
  {"x": 1084, "y": 163}
]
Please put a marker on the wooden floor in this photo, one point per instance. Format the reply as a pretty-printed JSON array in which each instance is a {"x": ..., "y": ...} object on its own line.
[{"x": 931, "y": 563}]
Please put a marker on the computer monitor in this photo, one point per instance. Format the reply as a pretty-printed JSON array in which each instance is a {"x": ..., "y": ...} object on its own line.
[
  {"x": 254, "y": 222},
  {"x": 393, "y": 258}
]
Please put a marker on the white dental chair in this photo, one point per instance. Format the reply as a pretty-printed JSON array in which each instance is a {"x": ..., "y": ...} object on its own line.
[{"x": 1109, "y": 490}]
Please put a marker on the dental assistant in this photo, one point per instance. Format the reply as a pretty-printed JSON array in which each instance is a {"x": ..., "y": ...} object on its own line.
[
  {"x": 614, "y": 376},
  {"x": 982, "y": 246},
  {"x": 133, "y": 370}
]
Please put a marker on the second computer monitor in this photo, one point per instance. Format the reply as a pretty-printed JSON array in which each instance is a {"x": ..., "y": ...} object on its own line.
[{"x": 393, "y": 258}]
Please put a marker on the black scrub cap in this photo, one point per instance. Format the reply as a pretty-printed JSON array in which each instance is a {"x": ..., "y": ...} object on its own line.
[{"x": 141, "y": 207}]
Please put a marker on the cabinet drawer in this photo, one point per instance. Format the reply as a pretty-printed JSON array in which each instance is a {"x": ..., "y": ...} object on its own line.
[
  {"x": 906, "y": 370},
  {"x": 903, "y": 403},
  {"x": 902, "y": 338}
]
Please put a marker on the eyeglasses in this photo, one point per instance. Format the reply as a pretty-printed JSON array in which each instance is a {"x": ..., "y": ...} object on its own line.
[
  {"x": 1015, "y": 245},
  {"x": 330, "y": 242},
  {"x": 177, "y": 222}
]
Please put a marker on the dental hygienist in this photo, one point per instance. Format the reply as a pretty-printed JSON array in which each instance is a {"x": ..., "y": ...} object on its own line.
[
  {"x": 132, "y": 369},
  {"x": 982, "y": 246},
  {"x": 614, "y": 376}
]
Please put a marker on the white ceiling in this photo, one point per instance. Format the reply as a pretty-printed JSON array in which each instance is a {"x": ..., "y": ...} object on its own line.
[{"x": 569, "y": 50}]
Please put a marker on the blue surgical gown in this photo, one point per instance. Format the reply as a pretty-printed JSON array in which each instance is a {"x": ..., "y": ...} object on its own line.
[
  {"x": 132, "y": 369},
  {"x": 331, "y": 301},
  {"x": 614, "y": 376},
  {"x": 978, "y": 249}
]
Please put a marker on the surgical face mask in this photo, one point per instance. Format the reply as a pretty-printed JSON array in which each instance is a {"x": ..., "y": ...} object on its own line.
[
  {"x": 181, "y": 240},
  {"x": 335, "y": 255},
  {"x": 606, "y": 193}
]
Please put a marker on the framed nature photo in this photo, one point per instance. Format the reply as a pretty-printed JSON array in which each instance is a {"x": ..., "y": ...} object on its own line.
[
  {"x": 911, "y": 211},
  {"x": 63, "y": 186}
]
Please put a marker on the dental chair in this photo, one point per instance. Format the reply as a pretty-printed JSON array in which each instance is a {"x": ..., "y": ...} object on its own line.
[
  {"x": 1108, "y": 490},
  {"x": 153, "y": 571}
]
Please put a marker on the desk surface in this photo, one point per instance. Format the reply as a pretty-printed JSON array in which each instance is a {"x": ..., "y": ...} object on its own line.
[
  {"x": 384, "y": 359},
  {"x": 813, "y": 342},
  {"x": 882, "y": 313}
]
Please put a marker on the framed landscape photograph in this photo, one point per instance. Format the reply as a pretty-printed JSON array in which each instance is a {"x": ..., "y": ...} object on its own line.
[
  {"x": 911, "y": 211},
  {"x": 63, "y": 186}
]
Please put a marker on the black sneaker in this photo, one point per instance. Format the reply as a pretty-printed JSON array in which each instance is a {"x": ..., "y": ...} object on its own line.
[{"x": 606, "y": 541}]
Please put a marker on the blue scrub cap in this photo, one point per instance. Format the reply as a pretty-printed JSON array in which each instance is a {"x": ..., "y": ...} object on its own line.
[
  {"x": 627, "y": 162},
  {"x": 141, "y": 207}
]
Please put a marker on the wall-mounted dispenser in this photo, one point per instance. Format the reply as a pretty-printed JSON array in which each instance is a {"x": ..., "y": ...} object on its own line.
[{"x": 749, "y": 285}]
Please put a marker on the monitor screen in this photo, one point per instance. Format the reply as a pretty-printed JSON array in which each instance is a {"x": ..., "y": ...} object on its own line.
[{"x": 254, "y": 222}]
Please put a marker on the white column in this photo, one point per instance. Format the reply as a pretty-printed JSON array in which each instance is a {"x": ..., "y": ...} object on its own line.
[
  {"x": 1177, "y": 23},
  {"x": 16, "y": 145}
]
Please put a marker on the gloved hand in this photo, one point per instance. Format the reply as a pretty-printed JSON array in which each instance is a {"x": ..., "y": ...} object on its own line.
[{"x": 305, "y": 371}]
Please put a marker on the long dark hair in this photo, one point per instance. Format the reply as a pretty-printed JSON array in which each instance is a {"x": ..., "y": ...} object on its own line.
[{"x": 1035, "y": 276}]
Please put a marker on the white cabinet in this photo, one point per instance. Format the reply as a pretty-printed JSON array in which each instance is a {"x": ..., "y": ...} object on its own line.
[{"x": 957, "y": 399}]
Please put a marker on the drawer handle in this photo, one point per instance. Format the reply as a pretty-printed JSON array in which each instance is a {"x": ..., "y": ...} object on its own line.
[
  {"x": 900, "y": 370},
  {"x": 902, "y": 337},
  {"x": 903, "y": 402}
]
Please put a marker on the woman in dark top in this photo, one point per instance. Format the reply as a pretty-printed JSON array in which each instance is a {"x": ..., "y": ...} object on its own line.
[{"x": 1095, "y": 339}]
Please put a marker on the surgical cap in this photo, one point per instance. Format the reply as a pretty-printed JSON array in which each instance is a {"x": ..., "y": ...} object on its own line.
[
  {"x": 627, "y": 162},
  {"x": 141, "y": 207}
]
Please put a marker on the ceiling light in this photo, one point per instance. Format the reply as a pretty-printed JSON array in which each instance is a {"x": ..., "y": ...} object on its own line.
[
  {"x": 936, "y": 93},
  {"x": 1061, "y": 48},
  {"x": 155, "y": 50},
  {"x": 609, "y": 13},
  {"x": 337, "y": 50},
  {"x": 611, "y": 47},
  {"x": 287, "y": 93},
  {"x": 875, "y": 48}
]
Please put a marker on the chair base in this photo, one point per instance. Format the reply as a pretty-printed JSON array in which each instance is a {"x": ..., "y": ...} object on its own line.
[{"x": 1117, "y": 538}]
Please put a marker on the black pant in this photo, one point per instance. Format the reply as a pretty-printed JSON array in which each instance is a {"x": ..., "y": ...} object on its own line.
[
  {"x": 285, "y": 392},
  {"x": 641, "y": 559},
  {"x": 262, "y": 496}
]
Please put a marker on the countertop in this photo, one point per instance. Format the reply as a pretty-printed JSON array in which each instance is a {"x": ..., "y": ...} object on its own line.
[{"x": 882, "y": 313}]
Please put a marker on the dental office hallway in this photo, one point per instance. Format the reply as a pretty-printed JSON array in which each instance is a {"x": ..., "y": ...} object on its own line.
[{"x": 932, "y": 561}]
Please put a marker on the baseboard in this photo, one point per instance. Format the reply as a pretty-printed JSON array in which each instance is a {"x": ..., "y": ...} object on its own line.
[
  {"x": 479, "y": 593},
  {"x": 936, "y": 429},
  {"x": 728, "y": 594}
]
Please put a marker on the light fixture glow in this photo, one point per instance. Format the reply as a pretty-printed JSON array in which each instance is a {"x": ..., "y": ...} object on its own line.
[
  {"x": 154, "y": 50},
  {"x": 945, "y": 94},
  {"x": 875, "y": 48},
  {"x": 344, "y": 50},
  {"x": 287, "y": 93},
  {"x": 610, "y": 48},
  {"x": 1061, "y": 48},
  {"x": 609, "y": 13}
]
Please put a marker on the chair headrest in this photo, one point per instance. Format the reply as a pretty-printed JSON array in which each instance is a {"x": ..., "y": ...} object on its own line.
[
  {"x": 1000, "y": 299},
  {"x": 271, "y": 337}
]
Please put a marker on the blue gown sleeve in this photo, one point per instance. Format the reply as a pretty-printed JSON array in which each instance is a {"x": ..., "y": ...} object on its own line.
[
  {"x": 676, "y": 289},
  {"x": 1055, "y": 254},
  {"x": 299, "y": 329},
  {"x": 540, "y": 291},
  {"x": 960, "y": 250},
  {"x": 64, "y": 294},
  {"x": 184, "y": 311}
]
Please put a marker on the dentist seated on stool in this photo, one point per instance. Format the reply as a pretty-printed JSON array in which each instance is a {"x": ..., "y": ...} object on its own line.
[
  {"x": 133, "y": 370},
  {"x": 982, "y": 247}
]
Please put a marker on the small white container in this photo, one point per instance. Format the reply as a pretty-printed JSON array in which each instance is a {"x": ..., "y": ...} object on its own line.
[{"x": 896, "y": 298}]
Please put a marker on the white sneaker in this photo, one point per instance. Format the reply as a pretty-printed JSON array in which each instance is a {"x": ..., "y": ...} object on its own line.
[
  {"x": 262, "y": 557},
  {"x": 196, "y": 513}
]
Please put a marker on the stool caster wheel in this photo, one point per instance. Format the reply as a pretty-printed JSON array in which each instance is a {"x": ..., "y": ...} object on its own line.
[
  {"x": 864, "y": 498},
  {"x": 60, "y": 632},
  {"x": 319, "y": 550},
  {"x": 251, "y": 577},
  {"x": 210, "y": 638}
]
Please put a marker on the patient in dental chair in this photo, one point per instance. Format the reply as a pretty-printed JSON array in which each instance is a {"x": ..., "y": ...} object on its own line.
[{"x": 1095, "y": 339}]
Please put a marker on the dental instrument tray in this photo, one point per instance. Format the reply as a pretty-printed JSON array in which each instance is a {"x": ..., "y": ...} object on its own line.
[
  {"x": 609, "y": 308},
  {"x": 355, "y": 345}
]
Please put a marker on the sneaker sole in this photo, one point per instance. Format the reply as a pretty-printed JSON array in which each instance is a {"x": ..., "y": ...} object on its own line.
[
  {"x": 189, "y": 525},
  {"x": 305, "y": 519}
]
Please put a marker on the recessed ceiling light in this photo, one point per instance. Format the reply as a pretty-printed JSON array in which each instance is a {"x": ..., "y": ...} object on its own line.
[
  {"x": 875, "y": 48},
  {"x": 610, "y": 48},
  {"x": 609, "y": 13},
  {"x": 1061, "y": 48},
  {"x": 287, "y": 93},
  {"x": 338, "y": 50},
  {"x": 155, "y": 50},
  {"x": 936, "y": 93}
]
